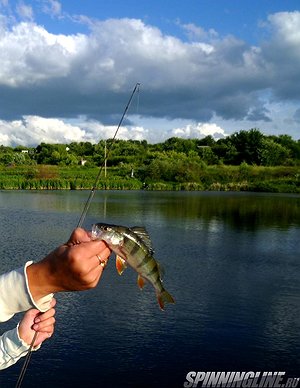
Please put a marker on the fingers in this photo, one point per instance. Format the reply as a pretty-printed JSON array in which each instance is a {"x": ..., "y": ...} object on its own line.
[
  {"x": 97, "y": 264},
  {"x": 43, "y": 335},
  {"x": 34, "y": 321},
  {"x": 82, "y": 239},
  {"x": 88, "y": 249},
  {"x": 103, "y": 257},
  {"x": 53, "y": 302},
  {"x": 45, "y": 322},
  {"x": 88, "y": 255}
]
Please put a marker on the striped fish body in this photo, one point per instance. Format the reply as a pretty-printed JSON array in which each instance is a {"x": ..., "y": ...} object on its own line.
[{"x": 133, "y": 246}]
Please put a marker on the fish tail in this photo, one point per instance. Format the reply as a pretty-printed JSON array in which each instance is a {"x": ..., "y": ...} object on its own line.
[{"x": 164, "y": 297}]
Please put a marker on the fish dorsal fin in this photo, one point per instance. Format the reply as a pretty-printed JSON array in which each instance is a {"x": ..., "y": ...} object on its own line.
[{"x": 142, "y": 233}]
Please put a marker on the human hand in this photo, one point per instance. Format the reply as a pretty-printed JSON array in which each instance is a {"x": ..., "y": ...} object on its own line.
[
  {"x": 33, "y": 321},
  {"x": 73, "y": 266}
]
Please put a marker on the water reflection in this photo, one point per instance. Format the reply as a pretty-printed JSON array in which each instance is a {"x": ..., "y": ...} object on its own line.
[
  {"x": 240, "y": 210},
  {"x": 230, "y": 259}
]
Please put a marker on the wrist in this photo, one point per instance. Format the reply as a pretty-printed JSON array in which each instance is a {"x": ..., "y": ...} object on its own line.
[
  {"x": 39, "y": 282},
  {"x": 23, "y": 336}
]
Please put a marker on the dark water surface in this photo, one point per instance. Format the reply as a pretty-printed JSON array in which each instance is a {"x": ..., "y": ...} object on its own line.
[{"x": 231, "y": 261}]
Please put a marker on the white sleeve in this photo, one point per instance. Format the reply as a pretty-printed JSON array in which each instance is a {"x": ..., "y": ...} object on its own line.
[
  {"x": 15, "y": 295},
  {"x": 12, "y": 348}
]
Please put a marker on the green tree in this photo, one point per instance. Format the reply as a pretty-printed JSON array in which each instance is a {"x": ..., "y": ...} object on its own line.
[
  {"x": 6, "y": 158},
  {"x": 179, "y": 145},
  {"x": 206, "y": 141},
  {"x": 43, "y": 153},
  {"x": 248, "y": 145},
  {"x": 289, "y": 143},
  {"x": 272, "y": 153},
  {"x": 82, "y": 149},
  {"x": 55, "y": 154},
  {"x": 207, "y": 155}
]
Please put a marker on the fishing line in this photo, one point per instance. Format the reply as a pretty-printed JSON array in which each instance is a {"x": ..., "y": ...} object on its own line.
[
  {"x": 93, "y": 189},
  {"x": 26, "y": 362},
  {"x": 82, "y": 218},
  {"x": 138, "y": 101}
]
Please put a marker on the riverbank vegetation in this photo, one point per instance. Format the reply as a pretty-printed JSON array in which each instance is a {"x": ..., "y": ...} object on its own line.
[{"x": 244, "y": 161}]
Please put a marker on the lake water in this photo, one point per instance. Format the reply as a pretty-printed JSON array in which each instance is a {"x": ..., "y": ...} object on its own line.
[{"x": 231, "y": 261}]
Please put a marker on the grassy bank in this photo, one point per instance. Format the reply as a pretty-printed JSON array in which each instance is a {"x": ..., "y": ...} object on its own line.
[{"x": 213, "y": 178}]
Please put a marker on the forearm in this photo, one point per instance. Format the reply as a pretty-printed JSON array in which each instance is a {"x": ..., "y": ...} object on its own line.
[
  {"x": 15, "y": 295},
  {"x": 12, "y": 348}
]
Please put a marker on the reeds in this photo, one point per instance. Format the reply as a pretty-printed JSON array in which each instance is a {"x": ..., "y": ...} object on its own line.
[{"x": 212, "y": 178}]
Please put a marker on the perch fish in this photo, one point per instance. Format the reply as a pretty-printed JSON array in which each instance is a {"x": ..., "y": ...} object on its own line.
[{"x": 133, "y": 246}]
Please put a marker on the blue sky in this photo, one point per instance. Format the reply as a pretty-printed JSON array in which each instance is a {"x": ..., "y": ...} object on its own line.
[
  {"x": 206, "y": 67},
  {"x": 238, "y": 17}
]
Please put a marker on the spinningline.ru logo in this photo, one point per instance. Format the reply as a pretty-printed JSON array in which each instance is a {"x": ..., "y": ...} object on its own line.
[{"x": 240, "y": 379}]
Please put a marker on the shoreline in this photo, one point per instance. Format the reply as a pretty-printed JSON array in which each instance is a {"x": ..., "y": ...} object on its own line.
[{"x": 279, "y": 179}]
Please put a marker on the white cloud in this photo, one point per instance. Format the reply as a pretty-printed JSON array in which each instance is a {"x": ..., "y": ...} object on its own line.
[
  {"x": 52, "y": 8},
  {"x": 57, "y": 75},
  {"x": 282, "y": 54},
  {"x": 24, "y": 11},
  {"x": 286, "y": 26},
  {"x": 29, "y": 55},
  {"x": 200, "y": 130},
  {"x": 196, "y": 33},
  {"x": 4, "y": 139},
  {"x": 32, "y": 130}
]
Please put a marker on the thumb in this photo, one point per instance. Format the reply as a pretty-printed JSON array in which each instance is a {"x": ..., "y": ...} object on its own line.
[{"x": 78, "y": 236}]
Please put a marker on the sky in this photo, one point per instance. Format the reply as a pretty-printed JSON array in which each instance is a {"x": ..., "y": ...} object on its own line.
[{"x": 205, "y": 67}]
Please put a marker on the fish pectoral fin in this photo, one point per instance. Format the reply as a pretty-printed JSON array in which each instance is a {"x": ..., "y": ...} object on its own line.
[
  {"x": 120, "y": 265},
  {"x": 141, "y": 282}
]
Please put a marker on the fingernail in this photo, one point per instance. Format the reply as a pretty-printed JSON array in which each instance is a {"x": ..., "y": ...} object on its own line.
[
  {"x": 35, "y": 327},
  {"x": 37, "y": 320}
]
